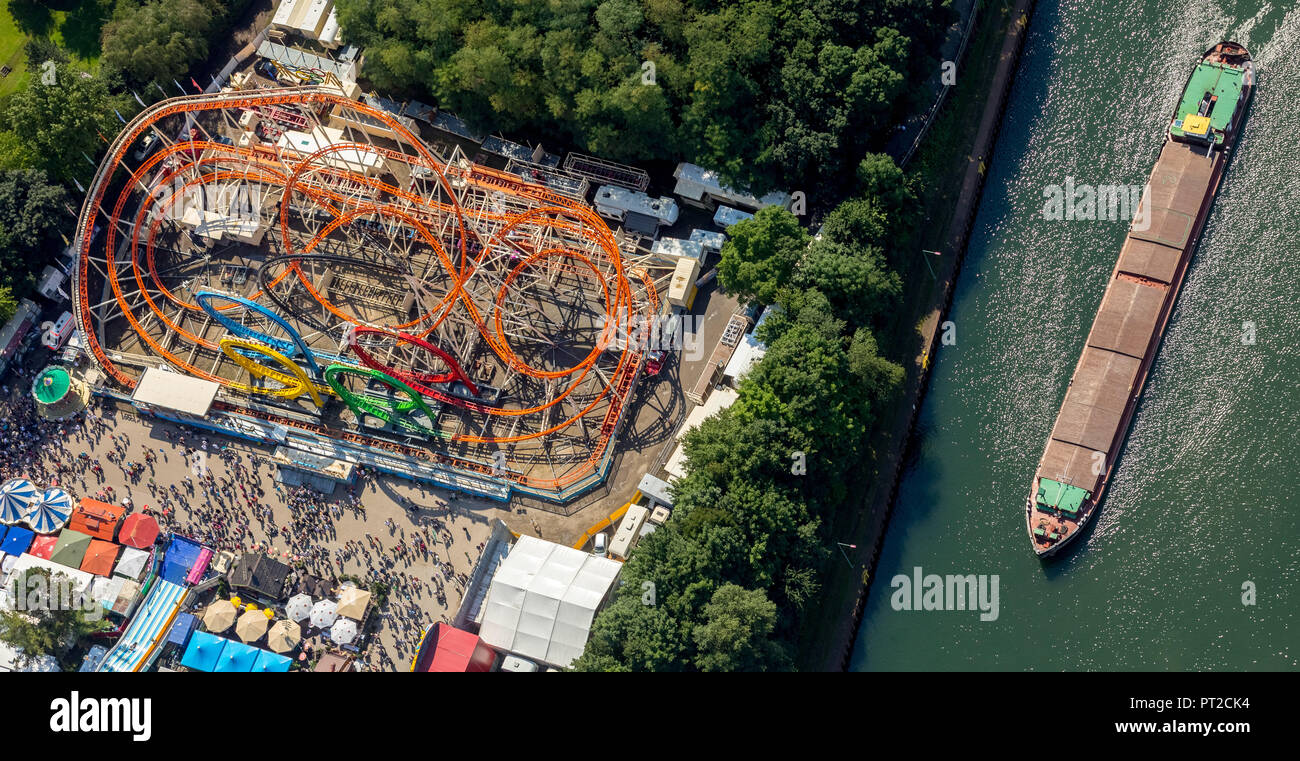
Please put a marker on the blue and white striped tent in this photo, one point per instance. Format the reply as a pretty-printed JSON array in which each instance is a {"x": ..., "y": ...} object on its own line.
[
  {"x": 49, "y": 513},
  {"x": 16, "y": 498}
]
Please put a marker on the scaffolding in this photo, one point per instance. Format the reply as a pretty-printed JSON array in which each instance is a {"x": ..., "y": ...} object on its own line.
[
  {"x": 607, "y": 172},
  {"x": 420, "y": 305}
]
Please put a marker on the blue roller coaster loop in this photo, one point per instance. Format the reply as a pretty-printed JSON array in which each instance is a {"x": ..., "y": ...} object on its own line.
[{"x": 295, "y": 348}]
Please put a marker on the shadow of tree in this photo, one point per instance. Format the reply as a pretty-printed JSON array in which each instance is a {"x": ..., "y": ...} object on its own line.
[
  {"x": 83, "y": 25},
  {"x": 32, "y": 17}
]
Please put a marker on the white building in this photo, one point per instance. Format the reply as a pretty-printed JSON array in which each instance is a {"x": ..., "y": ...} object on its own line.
[
  {"x": 678, "y": 248},
  {"x": 616, "y": 203},
  {"x": 681, "y": 289},
  {"x": 313, "y": 19},
  {"x": 628, "y": 530},
  {"x": 702, "y": 187},
  {"x": 542, "y": 600},
  {"x": 354, "y": 159}
]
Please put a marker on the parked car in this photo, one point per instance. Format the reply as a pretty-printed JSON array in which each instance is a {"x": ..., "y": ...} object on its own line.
[
  {"x": 147, "y": 146},
  {"x": 600, "y": 546}
]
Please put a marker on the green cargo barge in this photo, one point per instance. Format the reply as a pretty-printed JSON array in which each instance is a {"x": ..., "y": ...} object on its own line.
[{"x": 1081, "y": 451}]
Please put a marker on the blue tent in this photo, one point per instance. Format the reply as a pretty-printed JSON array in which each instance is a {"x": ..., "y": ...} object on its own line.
[
  {"x": 204, "y": 651},
  {"x": 16, "y": 497},
  {"x": 17, "y": 540},
  {"x": 237, "y": 657},
  {"x": 269, "y": 661},
  {"x": 181, "y": 555},
  {"x": 182, "y": 628},
  {"x": 50, "y": 511}
]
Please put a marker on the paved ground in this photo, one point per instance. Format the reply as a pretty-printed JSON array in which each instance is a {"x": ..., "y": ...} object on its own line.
[
  {"x": 659, "y": 407},
  {"x": 466, "y": 521}
]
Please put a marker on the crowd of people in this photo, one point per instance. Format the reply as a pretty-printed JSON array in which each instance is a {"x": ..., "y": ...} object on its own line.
[{"x": 222, "y": 501}]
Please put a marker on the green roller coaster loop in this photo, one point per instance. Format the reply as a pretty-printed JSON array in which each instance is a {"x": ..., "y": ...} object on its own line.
[{"x": 369, "y": 405}]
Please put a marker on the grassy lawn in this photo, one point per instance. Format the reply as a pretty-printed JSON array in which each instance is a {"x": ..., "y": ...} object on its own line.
[
  {"x": 11, "y": 53},
  {"x": 77, "y": 30}
]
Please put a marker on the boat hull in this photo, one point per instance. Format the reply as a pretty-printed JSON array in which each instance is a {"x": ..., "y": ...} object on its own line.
[{"x": 1083, "y": 450}]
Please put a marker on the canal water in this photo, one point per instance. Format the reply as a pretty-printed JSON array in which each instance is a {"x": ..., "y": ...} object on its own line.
[{"x": 1205, "y": 504}]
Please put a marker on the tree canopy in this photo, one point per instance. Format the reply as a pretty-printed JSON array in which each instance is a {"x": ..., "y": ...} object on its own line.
[
  {"x": 45, "y": 626},
  {"x": 772, "y": 93},
  {"x": 760, "y": 254},
  {"x": 159, "y": 40},
  {"x": 60, "y": 124},
  {"x": 32, "y": 210},
  {"x": 742, "y": 558}
]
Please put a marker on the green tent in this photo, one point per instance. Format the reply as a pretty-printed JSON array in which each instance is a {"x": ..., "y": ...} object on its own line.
[
  {"x": 71, "y": 548},
  {"x": 51, "y": 385}
]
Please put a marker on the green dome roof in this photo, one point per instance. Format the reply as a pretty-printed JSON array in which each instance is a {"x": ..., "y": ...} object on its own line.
[{"x": 51, "y": 385}]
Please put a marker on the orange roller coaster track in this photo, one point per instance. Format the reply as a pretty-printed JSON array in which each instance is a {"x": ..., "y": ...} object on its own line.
[{"x": 507, "y": 263}]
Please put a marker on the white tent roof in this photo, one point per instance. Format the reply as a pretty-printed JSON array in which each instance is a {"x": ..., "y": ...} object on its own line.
[
  {"x": 173, "y": 391},
  {"x": 10, "y": 656},
  {"x": 131, "y": 563},
  {"x": 543, "y": 598},
  {"x": 80, "y": 579}
]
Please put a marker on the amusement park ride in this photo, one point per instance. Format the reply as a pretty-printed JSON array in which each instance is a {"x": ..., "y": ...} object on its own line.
[{"x": 385, "y": 294}]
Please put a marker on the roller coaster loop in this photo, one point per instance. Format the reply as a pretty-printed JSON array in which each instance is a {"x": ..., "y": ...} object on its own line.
[
  {"x": 369, "y": 404},
  {"x": 418, "y": 381},
  {"x": 293, "y": 348},
  {"x": 293, "y": 384}
]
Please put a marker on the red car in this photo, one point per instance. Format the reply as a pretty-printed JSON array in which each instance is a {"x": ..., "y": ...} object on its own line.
[{"x": 655, "y": 362}]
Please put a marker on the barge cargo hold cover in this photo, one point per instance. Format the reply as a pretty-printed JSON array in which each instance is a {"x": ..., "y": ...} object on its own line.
[{"x": 1103, "y": 392}]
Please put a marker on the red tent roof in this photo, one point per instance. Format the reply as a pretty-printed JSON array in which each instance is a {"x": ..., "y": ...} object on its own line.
[
  {"x": 43, "y": 546},
  {"x": 100, "y": 557},
  {"x": 139, "y": 531},
  {"x": 455, "y": 650},
  {"x": 98, "y": 519}
]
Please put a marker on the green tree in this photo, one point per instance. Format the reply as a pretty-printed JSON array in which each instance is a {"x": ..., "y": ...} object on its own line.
[
  {"x": 625, "y": 123},
  {"x": 633, "y": 636},
  {"x": 14, "y": 153},
  {"x": 770, "y": 93},
  {"x": 32, "y": 210},
  {"x": 157, "y": 41},
  {"x": 46, "y": 625},
  {"x": 760, "y": 254},
  {"x": 736, "y": 633},
  {"x": 8, "y": 304},
  {"x": 880, "y": 179},
  {"x": 857, "y": 281},
  {"x": 881, "y": 379},
  {"x": 59, "y": 123},
  {"x": 495, "y": 78},
  {"x": 41, "y": 49},
  {"x": 857, "y": 222}
]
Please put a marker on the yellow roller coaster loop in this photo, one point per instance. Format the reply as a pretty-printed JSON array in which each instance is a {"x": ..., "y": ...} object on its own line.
[{"x": 293, "y": 384}]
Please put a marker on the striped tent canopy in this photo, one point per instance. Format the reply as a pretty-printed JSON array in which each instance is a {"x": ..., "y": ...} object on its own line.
[
  {"x": 16, "y": 498},
  {"x": 49, "y": 513}
]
